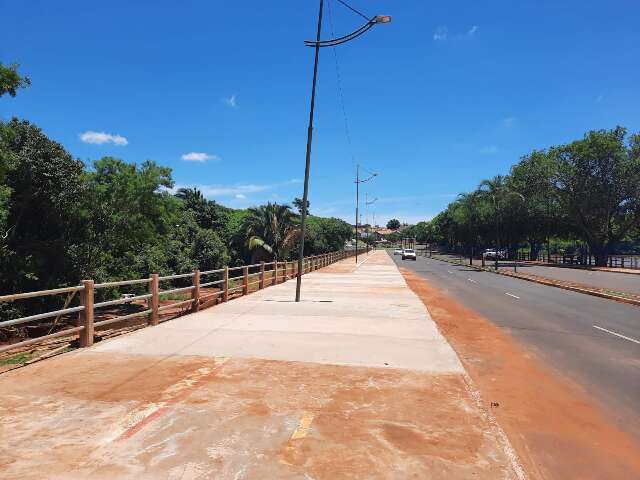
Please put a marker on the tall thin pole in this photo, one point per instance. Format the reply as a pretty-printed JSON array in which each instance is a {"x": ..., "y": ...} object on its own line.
[
  {"x": 307, "y": 166},
  {"x": 357, "y": 204}
]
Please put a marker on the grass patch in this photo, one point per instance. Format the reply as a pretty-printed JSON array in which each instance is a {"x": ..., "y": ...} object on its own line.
[{"x": 17, "y": 359}]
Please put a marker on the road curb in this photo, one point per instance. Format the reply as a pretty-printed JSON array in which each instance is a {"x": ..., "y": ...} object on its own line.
[
  {"x": 550, "y": 283},
  {"x": 582, "y": 267}
]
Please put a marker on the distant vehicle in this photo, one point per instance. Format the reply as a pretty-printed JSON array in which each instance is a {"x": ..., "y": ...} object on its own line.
[
  {"x": 493, "y": 254},
  {"x": 397, "y": 251},
  {"x": 409, "y": 253}
]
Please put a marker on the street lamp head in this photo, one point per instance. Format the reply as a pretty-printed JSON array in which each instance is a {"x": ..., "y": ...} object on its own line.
[{"x": 382, "y": 19}]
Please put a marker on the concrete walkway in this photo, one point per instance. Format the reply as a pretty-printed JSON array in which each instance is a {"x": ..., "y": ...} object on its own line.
[
  {"x": 362, "y": 316},
  {"x": 354, "y": 382}
]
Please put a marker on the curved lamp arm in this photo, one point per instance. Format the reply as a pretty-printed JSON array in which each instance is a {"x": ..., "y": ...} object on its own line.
[{"x": 378, "y": 19}]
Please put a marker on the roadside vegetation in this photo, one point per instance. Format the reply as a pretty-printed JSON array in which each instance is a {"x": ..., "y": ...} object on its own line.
[
  {"x": 62, "y": 221},
  {"x": 585, "y": 193}
]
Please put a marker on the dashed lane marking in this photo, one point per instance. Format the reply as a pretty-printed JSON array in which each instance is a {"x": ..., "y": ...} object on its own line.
[
  {"x": 472, "y": 280},
  {"x": 617, "y": 334},
  {"x": 512, "y": 295}
]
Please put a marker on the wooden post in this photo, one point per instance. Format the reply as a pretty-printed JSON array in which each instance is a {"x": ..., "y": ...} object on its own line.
[
  {"x": 86, "y": 315},
  {"x": 195, "y": 294},
  {"x": 261, "y": 278},
  {"x": 154, "y": 288},
  {"x": 245, "y": 280},
  {"x": 225, "y": 285},
  {"x": 275, "y": 273}
]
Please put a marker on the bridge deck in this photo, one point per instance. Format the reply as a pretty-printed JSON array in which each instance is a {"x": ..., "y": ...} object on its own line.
[{"x": 354, "y": 382}]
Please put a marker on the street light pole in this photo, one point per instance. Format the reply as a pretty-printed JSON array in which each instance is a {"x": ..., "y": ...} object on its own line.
[
  {"x": 357, "y": 205},
  {"x": 317, "y": 44},
  {"x": 307, "y": 167}
]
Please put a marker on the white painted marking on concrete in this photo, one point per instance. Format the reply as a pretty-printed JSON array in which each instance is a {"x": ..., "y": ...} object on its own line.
[
  {"x": 472, "y": 280},
  {"x": 512, "y": 295},
  {"x": 364, "y": 261},
  {"x": 450, "y": 271},
  {"x": 617, "y": 334}
]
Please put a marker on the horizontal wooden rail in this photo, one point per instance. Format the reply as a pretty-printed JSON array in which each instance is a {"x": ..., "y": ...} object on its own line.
[
  {"x": 121, "y": 283},
  {"x": 175, "y": 290},
  {"x": 122, "y": 318},
  {"x": 175, "y": 277},
  {"x": 40, "y": 316},
  {"x": 121, "y": 301},
  {"x": 40, "y": 293},
  {"x": 33, "y": 341}
]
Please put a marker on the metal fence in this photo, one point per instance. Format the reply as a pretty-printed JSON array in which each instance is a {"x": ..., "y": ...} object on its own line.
[{"x": 228, "y": 283}]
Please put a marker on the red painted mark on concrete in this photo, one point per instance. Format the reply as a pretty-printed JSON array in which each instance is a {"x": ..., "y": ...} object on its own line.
[{"x": 182, "y": 395}]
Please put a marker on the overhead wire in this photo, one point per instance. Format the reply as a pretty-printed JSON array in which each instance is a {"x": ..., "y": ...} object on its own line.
[
  {"x": 353, "y": 9},
  {"x": 347, "y": 131}
]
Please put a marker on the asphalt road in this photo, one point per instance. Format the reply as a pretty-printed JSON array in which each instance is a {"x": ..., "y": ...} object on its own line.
[
  {"x": 594, "y": 342},
  {"x": 620, "y": 282}
]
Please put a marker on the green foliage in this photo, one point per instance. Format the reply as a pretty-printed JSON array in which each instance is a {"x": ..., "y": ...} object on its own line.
[
  {"x": 269, "y": 231},
  {"x": 41, "y": 189},
  {"x": 323, "y": 235},
  {"x": 61, "y": 222},
  {"x": 11, "y": 80},
  {"x": 588, "y": 190},
  {"x": 297, "y": 203},
  {"x": 598, "y": 180},
  {"x": 393, "y": 224}
]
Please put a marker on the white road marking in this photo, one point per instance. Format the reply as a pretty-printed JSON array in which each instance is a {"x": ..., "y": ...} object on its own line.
[
  {"x": 472, "y": 280},
  {"x": 512, "y": 295},
  {"x": 450, "y": 271},
  {"x": 617, "y": 334}
]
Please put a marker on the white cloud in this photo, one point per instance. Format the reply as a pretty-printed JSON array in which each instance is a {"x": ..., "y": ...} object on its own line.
[
  {"x": 236, "y": 190},
  {"x": 99, "y": 138},
  {"x": 472, "y": 31},
  {"x": 488, "y": 150},
  {"x": 241, "y": 196},
  {"x": 441, "y": 33},
  {"x": 198, "y": 157},
  {"x": 231, "y": 101}
]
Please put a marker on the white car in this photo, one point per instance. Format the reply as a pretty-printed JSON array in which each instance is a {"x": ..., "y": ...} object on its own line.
[
  {"x": 492, "y": 254},
  {"x": 409, "y": 253},
  {"x": 397, "y": 251}
]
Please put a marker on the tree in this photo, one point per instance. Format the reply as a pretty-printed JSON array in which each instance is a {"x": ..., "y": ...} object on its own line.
[
  {"x": 506, "y": 207},
  {"x": 534, "y": 178},
  {"x": 11, "y": 80},
  {"x": 39, "y": 214},
  {"x": 598, "y": 181},
  {"x": 393, "y": 224},
  {"x": 297, "y": 203},
  {"x": 324, "y": 235},
  {"x": 269, "y": 230}
]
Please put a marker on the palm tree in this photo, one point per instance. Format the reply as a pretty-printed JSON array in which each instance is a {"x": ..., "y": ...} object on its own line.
[
  {"x": 270, "y": 230},
  {"x": 500, "y": 193}
]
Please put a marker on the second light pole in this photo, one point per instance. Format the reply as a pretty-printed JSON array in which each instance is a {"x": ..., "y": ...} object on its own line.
[{"x": 358, "y": 182}]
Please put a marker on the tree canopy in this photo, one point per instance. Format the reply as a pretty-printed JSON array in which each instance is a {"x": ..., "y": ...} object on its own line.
[
  {"x": 587, "y": 190},
  {"x": 11, "y": 80},
  {"x": 62, "y": 221},
  {"x": 393, "y": 224}
]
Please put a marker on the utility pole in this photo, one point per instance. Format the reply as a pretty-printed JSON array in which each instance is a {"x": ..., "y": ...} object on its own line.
[
  {"x": 357, "y": 205},
  {"x": 307, "y": 167}
]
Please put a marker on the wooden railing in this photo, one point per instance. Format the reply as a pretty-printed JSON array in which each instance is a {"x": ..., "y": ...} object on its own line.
[{"x": 230, "y": 282}]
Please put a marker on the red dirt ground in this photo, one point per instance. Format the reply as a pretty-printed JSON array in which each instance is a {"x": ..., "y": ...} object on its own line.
[
  {"x": 100, "y": 417},
  {"x": 551, "y": 422}
]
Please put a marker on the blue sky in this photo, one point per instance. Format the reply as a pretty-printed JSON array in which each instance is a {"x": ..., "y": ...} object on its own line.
[{"x": 447, "y": 94}]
